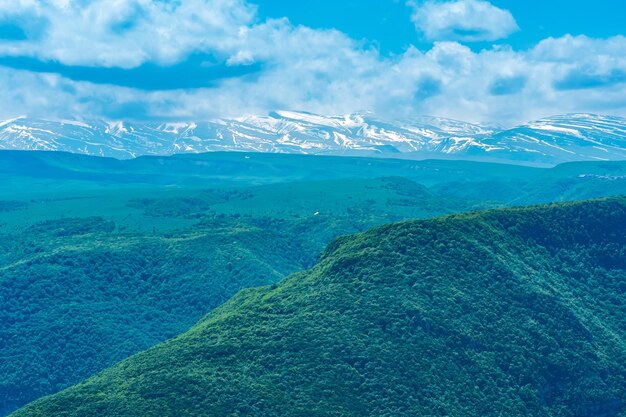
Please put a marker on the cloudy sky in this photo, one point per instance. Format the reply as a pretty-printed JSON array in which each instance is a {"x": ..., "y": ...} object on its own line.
[{"x": 499, "y": 61}]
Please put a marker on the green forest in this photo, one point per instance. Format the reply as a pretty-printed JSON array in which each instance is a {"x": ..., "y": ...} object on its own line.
[
  {"x": 101, "y": 259},
  {"x": 510, "y": 312}
]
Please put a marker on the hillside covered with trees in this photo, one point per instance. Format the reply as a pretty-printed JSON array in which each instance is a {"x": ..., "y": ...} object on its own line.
[
  {"x": 513, "y": 312},
  {"x": 101, "y": 258}
]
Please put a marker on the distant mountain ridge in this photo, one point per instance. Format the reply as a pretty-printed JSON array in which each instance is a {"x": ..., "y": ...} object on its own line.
[{"x": 549, "y": 141}]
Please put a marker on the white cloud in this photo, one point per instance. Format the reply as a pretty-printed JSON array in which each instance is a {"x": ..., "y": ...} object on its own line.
[
  {"x": 321, "y": 71},
  {"x": 127, "y": 33},
  {"x": 462, "y": 20}
]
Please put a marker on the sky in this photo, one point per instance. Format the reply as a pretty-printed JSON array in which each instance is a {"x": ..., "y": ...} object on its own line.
[{"x": 498, "y": 62}]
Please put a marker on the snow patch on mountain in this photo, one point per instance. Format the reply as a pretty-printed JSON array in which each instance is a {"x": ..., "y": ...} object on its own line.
[{"x": 542, "y": 142}]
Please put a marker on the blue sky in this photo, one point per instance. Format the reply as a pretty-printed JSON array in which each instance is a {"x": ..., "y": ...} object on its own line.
[
  {"x": 387, "y": 23},
  {"x": 499, "y": 61}
]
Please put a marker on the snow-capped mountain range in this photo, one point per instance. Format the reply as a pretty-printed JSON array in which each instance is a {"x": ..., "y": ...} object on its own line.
[{"x": 548, "y": 141}]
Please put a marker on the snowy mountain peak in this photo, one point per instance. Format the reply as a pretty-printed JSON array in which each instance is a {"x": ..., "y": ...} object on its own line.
[{"x": 542, "y": 142}]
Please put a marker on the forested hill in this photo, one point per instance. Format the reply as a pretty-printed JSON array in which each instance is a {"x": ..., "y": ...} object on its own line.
[
  {"x": 516, "y": 312},
  {"x": 101, "y": 259}
]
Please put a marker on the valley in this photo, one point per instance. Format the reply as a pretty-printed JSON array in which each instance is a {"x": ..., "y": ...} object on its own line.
[
  {"x": 506, "y": 312},
  {"x": 103, "y": 258}
]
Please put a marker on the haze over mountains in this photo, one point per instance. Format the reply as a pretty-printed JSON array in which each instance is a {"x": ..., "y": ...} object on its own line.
[{"x": 545, "y": 142}]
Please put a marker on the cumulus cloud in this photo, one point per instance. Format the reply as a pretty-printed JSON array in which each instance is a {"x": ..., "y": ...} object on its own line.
[
  {"x": 322, "y": 71},
  {"x": 123, "y": 33},
  {"x": 462, "y": 20}
]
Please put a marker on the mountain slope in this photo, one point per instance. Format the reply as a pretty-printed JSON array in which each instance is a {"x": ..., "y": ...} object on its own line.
[
  {"x": 517, "y": 312},
  {"x": 564, "y": 138},
  {"x": 102, "y": 258},
  {"x": 90, "y": 275},
  {"x": 289, "y": 132},
  {"x": 549, "y": 141}
]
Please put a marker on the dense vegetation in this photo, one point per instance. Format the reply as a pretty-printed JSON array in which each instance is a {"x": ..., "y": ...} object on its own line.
[
  {"x": 517, "y": 312},
  {"x": 100, "y": 259},
  {"x": 79, "y": 294}
]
